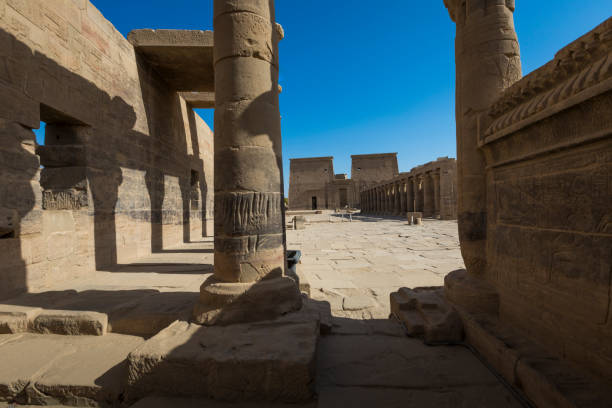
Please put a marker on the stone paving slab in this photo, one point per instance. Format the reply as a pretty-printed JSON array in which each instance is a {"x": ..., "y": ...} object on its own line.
[
  {"x": 55, "y": 369},
  {"x": 373, "y": 257}
]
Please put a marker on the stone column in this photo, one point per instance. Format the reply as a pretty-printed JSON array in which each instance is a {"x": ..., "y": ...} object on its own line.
[
  {"x": 487, "y": 62},
  {"x": 402, "y": 193},
  {"x": 436, "y": 187},
  {"x": 249, "y": 281},
  {"x": 410, "y": 195},
  {"x": 418, "y": 193},
  {"x": 375, "y": 192},
  {"x": 428, "y": 205},
  {"x": 396, "y": 201},
  {"x": 387, "y": 199}
]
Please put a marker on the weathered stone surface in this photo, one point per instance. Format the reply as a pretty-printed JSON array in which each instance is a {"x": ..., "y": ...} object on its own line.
[
  {"x": 149, "y": 315},
  {"x": 53, "y": 370},
  {"x": 358, "y": 302},
  {"x": 182, "y": 57},
  {"x": 470, "y": 293},
  {"x": 16, "y": 319},
  {"x": 70, "y": 322},
  {"x": 425, "y": 312},
  {"x": 237, "y": 362},
  {"x": 228, "y": 303},
  {"x": 546, "y": 380}
]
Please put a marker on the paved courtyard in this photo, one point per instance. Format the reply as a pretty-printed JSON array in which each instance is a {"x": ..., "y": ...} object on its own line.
[
  {"x": 367, "y": 360},
  {"x": 356, "y": 265}
]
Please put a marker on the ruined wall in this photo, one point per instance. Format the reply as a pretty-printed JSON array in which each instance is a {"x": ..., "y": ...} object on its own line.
[
  {"x": 549, "y": 202},
  {"x": 127, "y": 165},
  {"x": 369, "y": 169},
  {"x": 308, "y": 178}
]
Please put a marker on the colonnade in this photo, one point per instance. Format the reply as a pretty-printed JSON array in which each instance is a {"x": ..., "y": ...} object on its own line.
[{"x": 413, "y": 193}]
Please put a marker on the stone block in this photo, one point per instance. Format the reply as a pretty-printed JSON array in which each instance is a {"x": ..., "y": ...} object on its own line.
[
  {"x": 31, "y": 223},
  {"x": 16, "y": 319},
  {"x": 271, "y": 360},
  {"x": 17, "y": 107},
  {"x": 470, "y": 293},
  {"x": 9, "y": 223},
  {"x": 61, "y": 370},
  {"x": 70, "y": 322},
  {"x": 425, "y": 312},
  {"x": 62, "y": 155},
  {"x": 64, "y": 178}
]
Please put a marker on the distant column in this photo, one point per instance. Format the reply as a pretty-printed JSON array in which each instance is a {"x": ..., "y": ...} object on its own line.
[
  {"x": 396, "y": 200},
  {"x": 418, "y": 193},
  {"x": 387, "y": 199},
  {"x": 403, "y": 197},
  {"x": 249, "y": 281},
  {"x": 436, "y": 188},
  {"x": 410, "y": 195},
  {"x": 428, "y": 195}
]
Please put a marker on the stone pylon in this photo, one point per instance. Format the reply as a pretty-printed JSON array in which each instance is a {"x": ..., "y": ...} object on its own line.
[
  {"x": 487, "y": 62},
  {"x": 249, "y": 281}
]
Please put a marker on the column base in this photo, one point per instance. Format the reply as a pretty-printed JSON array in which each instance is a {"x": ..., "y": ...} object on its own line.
[{"x": 223, "y": 303}]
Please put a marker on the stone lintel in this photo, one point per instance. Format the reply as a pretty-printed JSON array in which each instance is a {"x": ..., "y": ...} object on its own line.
[
  {"x": 183, "y": 58},
  {"x": 199, "y": 100}
]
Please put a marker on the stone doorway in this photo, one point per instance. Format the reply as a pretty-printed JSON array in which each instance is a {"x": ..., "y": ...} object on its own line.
[
  {"x": 343, "y": 197},
  {"x": 314, "y": 203}
]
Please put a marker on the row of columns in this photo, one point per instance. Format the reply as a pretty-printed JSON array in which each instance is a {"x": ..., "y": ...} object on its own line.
[{"x": 420, "y": 193}]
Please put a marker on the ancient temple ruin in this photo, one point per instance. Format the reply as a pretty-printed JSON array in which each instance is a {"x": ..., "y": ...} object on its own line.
[
  {"x": 144, "y": 258},
  {"x": 313, "y": 185}
]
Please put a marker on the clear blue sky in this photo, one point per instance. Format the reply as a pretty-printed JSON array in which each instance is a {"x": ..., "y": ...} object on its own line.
[{"x": 359, "y": 77}]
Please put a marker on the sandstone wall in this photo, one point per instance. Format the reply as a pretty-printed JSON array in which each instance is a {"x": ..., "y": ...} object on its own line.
[
  {"x": 548, "y": 152},
  {"x": 369, "y": 169},
  {"x": 127, "y": 164},
  {"x": 308, "y": 178}
]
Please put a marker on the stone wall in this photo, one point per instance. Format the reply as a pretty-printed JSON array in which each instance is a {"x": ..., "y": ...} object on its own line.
[
  {"x": 308, "y": 178},
  {"x": 313, "y": 177},
  {"x": 548, "y": 150},
  {"x": 127, "y": 165},
  {"x": 430, "y": 188},
  {"x": 370, "y": 169}
]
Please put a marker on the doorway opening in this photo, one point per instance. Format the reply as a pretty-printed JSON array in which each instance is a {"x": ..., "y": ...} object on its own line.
[{"x": 314, "y": 203}]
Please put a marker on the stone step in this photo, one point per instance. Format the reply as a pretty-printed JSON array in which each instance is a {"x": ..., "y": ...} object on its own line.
[
  {"x": 267, "y": 360},
  {"x": 95, "y": 312},
  {"x": 546, "y": 380},
  {"x": 21, "y": 319},
  {"x": 64, "y": 370}
]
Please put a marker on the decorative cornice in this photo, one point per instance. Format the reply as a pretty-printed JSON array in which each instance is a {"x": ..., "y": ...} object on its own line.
[{"x": 577, "y": 67}]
